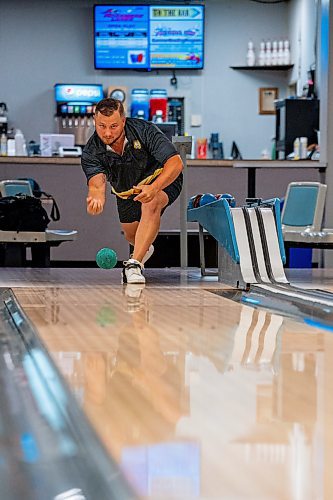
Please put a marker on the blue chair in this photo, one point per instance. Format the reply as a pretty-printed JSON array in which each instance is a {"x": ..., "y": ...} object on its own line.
[
  {"x": 303, "y": 207},
  {"x": 15, "y": 187},
  {"x": 302, "y": 219}
]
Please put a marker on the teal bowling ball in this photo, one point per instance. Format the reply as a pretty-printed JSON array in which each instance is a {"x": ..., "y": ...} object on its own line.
[{"x": 106, "y": 258}]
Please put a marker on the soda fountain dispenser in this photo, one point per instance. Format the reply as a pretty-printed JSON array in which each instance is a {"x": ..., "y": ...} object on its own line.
[
  {"x": 75, "y": 108},
  {"x": 158, "y": 104},
  {"x": 140, "y": 104}
]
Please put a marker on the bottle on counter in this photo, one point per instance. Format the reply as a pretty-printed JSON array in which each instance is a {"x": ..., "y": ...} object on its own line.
[
  {"x": 20, "y": 147},
  {"x": 158, "y": 117},
  {"x": 303, "y": 148},
  {"x": 11, "y": 147},
  {"x": 3, "y": 145},
  {"x": 202, "y": 148},
  {"x": 140, "y": 114},
  {"x": 273, "y": 152},
  {"x": 296, "y": 148},
  {"x": 193, "y": 150}
]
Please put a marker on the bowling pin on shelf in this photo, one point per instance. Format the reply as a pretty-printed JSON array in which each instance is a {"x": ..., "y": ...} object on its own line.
[
  {"x": 268, "y": 59},
  {"x": 250, "y": 57},
  {"x": 286, "y": 52},
  {"x": 262, "y": 54},
  {"x": 275, "y": 54},
  {"x": 280, "y": 56}
]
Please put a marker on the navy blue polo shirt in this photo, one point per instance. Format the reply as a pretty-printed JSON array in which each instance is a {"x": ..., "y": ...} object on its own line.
[{"x": 147, "y": 150}]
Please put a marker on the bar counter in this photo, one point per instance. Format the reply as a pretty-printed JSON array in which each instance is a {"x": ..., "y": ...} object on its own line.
[
  {"x": 56, "y": 160},
  {"x": 64, "y": 179}
]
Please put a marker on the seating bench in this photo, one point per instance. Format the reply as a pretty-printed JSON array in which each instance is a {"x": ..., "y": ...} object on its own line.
[{"x": 13, "y": 246}]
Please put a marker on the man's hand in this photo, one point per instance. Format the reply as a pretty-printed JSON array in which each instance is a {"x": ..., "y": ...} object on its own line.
[
  {"x": 146, "y": 194},
  {"x": 95, "y": 204},
  {"x": 96, "y": 194}
]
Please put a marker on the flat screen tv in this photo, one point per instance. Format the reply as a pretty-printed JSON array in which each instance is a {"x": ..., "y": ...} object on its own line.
[{"x": 149, "y": 37}]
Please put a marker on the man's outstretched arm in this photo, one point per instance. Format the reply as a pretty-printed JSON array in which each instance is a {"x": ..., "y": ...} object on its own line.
[{"x": 96, "y": 194}]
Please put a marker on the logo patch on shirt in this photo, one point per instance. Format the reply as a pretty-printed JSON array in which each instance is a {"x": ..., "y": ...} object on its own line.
[{"x": 137, "y": 145}]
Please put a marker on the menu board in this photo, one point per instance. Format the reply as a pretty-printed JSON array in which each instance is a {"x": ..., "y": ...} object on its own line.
[{"x": 149, "y": 36}]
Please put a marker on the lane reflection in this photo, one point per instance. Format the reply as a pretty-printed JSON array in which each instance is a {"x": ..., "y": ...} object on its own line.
[{"x": 197, "y": 396}]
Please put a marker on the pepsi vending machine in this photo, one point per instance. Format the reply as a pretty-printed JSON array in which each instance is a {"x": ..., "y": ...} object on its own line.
[{"x": 75, "y": 108}]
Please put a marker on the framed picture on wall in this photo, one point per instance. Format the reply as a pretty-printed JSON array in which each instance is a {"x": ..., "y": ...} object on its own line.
[{"x": 267, "y": 96}]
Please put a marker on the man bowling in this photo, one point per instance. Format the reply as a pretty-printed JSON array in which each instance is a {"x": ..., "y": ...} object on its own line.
[{"x": 145, "y": 173}]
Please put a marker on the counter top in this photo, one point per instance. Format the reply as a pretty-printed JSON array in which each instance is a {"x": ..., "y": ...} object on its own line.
[
  {"x": 76, "y": 161},
  {"x": 257, "y": 163},
  {"x": 54, "y": 160},
  {"x": 210, "y": 163},
  {"x": 279, "y": 164},
  {"x": 39, "y": 160}
]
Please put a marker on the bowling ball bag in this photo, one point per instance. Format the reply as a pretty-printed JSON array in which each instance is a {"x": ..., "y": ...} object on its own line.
[
  {"x": 22, "y": 213},
  {"x": 38, "y": 193}
]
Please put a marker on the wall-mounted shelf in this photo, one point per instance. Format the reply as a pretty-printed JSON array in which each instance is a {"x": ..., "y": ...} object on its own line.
[{"x": 284, "y": 67}]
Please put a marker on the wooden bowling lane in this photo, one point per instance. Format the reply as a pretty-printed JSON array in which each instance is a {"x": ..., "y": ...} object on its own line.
[{"x": 194, "y": 395}]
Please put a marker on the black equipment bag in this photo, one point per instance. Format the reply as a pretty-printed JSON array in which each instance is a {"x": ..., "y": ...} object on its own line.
[
  {"x": 22, "y": 213},
  {"x": 38, "y": 193}
]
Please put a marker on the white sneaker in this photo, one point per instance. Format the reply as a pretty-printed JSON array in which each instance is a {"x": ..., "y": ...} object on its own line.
[
  {"x": 147, "y": 255},
  {"x": 132, "y": 272}
]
